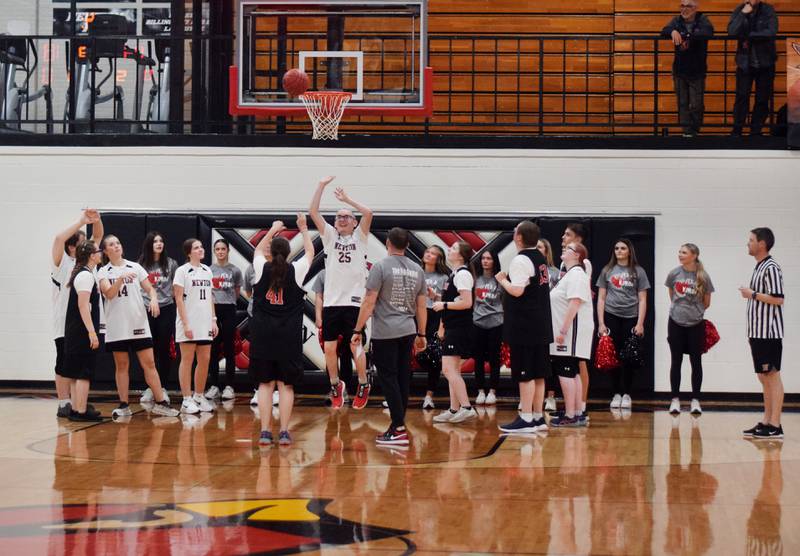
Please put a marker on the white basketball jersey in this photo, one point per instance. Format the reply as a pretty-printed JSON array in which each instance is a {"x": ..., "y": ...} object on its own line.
[
  {"x": 197, "y": 299},
  {"x": 345, "y": 268},
  {"x": 59, "y": 278},
  {"x": 126, "y": 315}
]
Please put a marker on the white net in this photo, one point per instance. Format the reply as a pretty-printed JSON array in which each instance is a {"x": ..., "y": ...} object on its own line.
[{"x": 325, "y": 108}]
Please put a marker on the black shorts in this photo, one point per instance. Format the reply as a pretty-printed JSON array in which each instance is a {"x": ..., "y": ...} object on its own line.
[
  {"x": 767, "y": 352},
  {"x": 134, "y": 345},
  {"x": 530, "y": 362},
  {"x": 59, "y": 355},
  {"x": 288, "y": 371},
  {"x": 457, "y": 342},
  {"x": 338, "y": 321},
  {"x": 79, "y": 366},
  {"x": 566, "y": 367}
]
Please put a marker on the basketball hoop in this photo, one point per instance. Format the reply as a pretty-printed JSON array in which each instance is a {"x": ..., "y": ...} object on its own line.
[{"x": 325, "y": 109}]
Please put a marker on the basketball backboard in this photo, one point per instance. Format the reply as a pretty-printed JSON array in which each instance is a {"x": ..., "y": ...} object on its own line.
[{"x": 375, "y": 50}]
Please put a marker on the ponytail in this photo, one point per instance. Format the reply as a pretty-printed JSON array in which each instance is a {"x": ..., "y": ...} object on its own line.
[
  {"x": 701, "y": 282},
  {"x": 279, "y": 249},
  {"x": 83, "y": 252}
]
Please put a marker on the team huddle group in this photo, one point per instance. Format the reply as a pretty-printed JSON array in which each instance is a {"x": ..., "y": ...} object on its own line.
[{"x": 465, "y": 305}]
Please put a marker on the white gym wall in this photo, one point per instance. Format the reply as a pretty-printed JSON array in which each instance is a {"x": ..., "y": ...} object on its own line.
[{"x": 711, "y": 198}]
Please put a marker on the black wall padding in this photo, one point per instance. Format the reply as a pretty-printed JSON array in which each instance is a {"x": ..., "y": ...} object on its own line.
[{"x": 602, "y": 233}]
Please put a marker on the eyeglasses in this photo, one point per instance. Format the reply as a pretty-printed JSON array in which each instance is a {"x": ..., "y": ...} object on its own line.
[
  {"x": 571, "y": 249},
  {"x": 343, "y": 217}
]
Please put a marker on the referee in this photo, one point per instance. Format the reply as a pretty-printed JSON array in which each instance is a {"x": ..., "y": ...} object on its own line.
[{"x": 765, "y": 330}]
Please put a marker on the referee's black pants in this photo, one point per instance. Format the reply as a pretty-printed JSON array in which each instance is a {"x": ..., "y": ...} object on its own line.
[{"x": 393, "y": 363}]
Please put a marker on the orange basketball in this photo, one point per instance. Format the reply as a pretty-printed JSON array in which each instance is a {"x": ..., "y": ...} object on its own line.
[{"x": 296, "y": 82}]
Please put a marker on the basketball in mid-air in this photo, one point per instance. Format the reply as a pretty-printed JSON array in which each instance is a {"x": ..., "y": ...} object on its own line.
[{"x": 296, "y": 82}]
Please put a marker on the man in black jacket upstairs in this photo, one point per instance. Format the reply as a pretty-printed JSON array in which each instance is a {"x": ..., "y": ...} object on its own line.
[
  {"x": 755, "y": 25},
  {"x": 690, "y": 32}
]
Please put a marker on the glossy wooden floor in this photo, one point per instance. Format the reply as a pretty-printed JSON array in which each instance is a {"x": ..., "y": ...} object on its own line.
[{"x": 641, "y": 483}]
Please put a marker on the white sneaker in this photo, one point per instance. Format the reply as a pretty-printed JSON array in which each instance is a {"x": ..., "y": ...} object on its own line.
[
  {"x": 427, "y": 403},
  {"x": 212, "y": 393},
  {"x": 675, "y": 406},
  {"x": 384, "y": 403},
  {"x": 254, "y": 399},
  {"x": 165, "y": 410},
  {"x": 166, "y": 395},
  {"x": 444, "y": 416},
  {"x": 491, "y": 399},
  {"x": 481, "y": 398},
  {"x": 188, "y": 406},
  {"x": 228, "y": 393},
  {"x": 616, "y": 401},
  {"x": 275, "y": 398},
  {"x": 203, "y": 403},
  {"x": 122, "y": 411},
  {"x": 695, "y": 407},
  {"x": 463, "y": 414},
  {"x": 147, "y": 396},
  {"x": 626, "y": 402},
  {"x": 550, "y": 404}
]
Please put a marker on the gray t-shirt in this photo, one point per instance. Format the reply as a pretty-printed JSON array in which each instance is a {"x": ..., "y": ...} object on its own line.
[
  {"x": 225, "y": 281},
  {"x": 319, "y": 283},
  {"x": 162, "y": 282},
  {"x": 434, "y": 281},
  {"x": 554, "y": 276},
  {"x": 398, "y": 281},
  {"x": 622, "y": 290},
  {"x": 247, "y": 286},
  {"x": 687, "y": 308},
  {"x": 487, "y": 312}
]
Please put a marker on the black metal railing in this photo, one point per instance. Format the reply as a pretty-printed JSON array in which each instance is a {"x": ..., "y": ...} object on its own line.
[{"x": 484, "y": 85}]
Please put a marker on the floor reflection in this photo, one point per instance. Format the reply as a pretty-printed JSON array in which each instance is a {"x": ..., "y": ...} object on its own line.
[{"x": 633, "y": 483}]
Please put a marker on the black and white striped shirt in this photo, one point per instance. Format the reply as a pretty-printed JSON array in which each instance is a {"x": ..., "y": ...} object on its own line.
[{"x": 764, "y": 320}]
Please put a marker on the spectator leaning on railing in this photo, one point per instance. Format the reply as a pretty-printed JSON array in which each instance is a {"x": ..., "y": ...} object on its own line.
[
  {"x": 690, "y": 32},
  {"x": 755, "y": 25}
]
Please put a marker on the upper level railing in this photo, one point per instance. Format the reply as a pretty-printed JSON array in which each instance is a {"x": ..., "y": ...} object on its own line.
[{"x": 484, "y": 84}]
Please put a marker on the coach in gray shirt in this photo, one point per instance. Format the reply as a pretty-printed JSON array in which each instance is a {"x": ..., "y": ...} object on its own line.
[{"x": 396, "y": 293}]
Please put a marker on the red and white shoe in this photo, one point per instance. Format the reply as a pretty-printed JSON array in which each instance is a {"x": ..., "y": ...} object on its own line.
[
  {"x": 337, "y": 395},
  {"x": 393, "y": 437},
  {"x": 362, "y": 396}
]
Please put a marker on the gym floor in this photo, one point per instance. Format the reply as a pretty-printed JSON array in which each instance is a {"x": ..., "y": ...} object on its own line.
[{"x": 631, "y": 483}]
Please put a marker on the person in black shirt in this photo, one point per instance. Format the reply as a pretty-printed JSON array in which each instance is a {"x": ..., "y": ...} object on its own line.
[
  {"x": 528, "y": 326},
  {"x": 689, "y": 32},
  {"x": 276, "y": 331},
  {"x": 755, "y": 24},
  {"x": 80, "y": 330}
]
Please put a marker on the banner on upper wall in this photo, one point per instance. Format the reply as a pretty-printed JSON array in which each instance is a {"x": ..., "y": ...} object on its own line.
[{"x": 793, "y": 90}]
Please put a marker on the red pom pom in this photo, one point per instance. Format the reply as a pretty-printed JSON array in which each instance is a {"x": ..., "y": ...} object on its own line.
[
  {"x": 605, "y": 358},
  {"x": 712, "y": 336}
]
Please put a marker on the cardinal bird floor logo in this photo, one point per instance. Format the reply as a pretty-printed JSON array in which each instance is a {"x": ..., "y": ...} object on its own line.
[{"x": 269, "y": 526}]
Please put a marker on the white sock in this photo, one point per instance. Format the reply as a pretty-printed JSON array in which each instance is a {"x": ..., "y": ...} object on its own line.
[
  {"x": 537, "y": 416},
  {"x": 527, "y": 416},
  {"x": 63, "y": 403},
  {"x": 583, "y": 407}
]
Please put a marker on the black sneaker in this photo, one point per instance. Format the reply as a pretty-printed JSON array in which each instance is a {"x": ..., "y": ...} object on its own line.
[
  {"x": 90, "y": 409},
  {"x": 87, "y": 417},
  {"x": 768, "y": 432},
  {"x": 754, "y": 430},
  {"x": 519, "y": 426},
  {"x": 64, "y": 411}
]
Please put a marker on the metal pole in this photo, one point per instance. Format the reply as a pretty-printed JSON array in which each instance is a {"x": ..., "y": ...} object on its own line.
[{"x": 176, "y": 67}]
